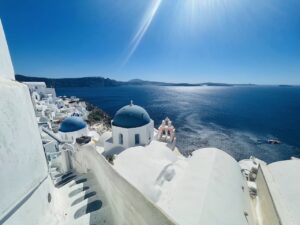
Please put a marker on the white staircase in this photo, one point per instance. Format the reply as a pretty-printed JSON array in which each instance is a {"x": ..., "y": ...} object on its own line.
[{"x": 81, "y": 199}]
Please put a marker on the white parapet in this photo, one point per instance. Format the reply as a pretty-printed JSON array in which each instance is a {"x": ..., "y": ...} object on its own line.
[
  {"x": 6, "y": 67},
  {"x": 129, "y": 206}
]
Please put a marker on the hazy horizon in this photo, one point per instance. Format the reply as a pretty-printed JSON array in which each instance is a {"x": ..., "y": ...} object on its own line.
[
  {"x": 78, "y": 77},
  {"x": 190, "y": 41}
]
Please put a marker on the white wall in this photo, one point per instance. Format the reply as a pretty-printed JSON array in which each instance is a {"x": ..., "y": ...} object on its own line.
[
  {"x": 37, "y": 209},
  {"x": 208, "y": 191},
  {"x": 6, "y": 67},
  {"x": 35, "y": 85},
  {"x": 268, "y": 214},
  {"x": 145, "y": 133},
  {"x": 50, "y": 91},
  {"x": 40, "y": 88},
  {"x": 128, "y": 205},
  {"x": 22, "y": 161},
  {"x": 285, "y": 175},
  {"x": 71, "y": 136}
]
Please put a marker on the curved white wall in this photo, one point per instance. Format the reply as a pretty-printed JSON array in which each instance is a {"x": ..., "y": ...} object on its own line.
[
  {"x": 37, "y": 209},
  {"x": 22, "y": 160},
  {"x": 71, "y": 136},
  {"x": 145, "y": 132},
  {"x": 212, "y": 190}
]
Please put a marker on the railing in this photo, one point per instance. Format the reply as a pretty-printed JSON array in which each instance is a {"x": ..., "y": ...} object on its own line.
[{"x": 52, "y": 135}]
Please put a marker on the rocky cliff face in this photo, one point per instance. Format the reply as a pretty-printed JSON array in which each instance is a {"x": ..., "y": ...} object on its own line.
[{"x": 97, "y": 118}]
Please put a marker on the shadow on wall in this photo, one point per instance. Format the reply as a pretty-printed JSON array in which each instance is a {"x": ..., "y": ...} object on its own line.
[
  {"x": 86, "y": 196},
  {"x": 82, "y": 194},
  {"x": 114, "y": 151},
  {"x": 89, "y": 208}
]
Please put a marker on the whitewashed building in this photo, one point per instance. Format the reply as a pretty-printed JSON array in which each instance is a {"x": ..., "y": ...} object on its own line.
[
  {"x": 131, "y": 126},
  {"x": 71, "y": 128},
  {"x": 41, "y": 89}
]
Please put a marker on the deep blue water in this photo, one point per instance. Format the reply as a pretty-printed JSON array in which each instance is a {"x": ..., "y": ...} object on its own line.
[{"x": 230, "y": 118}]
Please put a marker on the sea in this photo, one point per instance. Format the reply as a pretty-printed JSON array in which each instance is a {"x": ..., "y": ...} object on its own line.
[{"x": 236, "y": 119}]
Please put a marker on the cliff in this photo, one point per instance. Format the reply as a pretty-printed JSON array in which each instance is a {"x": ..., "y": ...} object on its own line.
[
  {"x": 71, "y": 82},
  {"x": 107, "y": 82}
]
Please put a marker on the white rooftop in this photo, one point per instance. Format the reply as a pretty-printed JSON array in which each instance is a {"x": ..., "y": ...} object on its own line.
[
  {"x": 195, "y": 190},
  {"x": 35, "y": 83},
  {"x": 285, "y": 189}
]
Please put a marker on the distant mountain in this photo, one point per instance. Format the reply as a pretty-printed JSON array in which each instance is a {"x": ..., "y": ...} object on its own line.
[
  {"x": 285, "y": 85},
  {"x": 143, "y": 82},
  {"x": 106, "y": 82},
  {"x": 72, "y": 82}
]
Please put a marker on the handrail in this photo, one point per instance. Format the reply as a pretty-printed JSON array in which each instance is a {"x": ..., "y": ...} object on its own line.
[
  {"x": 64, "y": 150},
  {"x": 51, "y": 134}
]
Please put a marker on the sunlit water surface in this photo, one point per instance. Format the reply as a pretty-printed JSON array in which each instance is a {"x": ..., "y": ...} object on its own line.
[{"x": 229, "y": 118}]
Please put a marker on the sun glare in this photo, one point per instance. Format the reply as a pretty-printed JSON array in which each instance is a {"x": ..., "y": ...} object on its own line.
[
  {"x": 145, "y": 24},
  {"x": 184, "y": 14}
]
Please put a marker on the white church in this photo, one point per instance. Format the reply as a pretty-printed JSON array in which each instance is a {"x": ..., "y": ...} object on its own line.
[
  {"x": 72, "y": 128},
  {"x": 131, "y": 126}
]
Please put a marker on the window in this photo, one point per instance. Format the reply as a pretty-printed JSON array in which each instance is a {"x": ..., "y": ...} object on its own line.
[
  {"x": 137, "y": 139},
  {"x": 120, "y": 139}
]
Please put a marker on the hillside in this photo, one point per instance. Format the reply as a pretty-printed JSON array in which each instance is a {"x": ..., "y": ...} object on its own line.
[
  {"x": 72, "y": 82},
  {"x": 107, "y": 82}
]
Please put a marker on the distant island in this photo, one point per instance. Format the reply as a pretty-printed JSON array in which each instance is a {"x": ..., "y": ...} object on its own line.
[
  {"x": 71, "y": 82},
  {"x": 107, "y": 82}
]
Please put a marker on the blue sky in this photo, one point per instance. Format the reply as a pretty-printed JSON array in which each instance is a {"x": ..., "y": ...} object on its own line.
[{"x": 233, "y": 41}]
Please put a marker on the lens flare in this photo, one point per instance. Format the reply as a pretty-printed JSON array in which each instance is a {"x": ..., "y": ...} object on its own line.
[{"x": 145, "y": 24}]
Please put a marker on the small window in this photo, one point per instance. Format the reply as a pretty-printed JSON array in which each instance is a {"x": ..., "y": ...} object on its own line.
[
  {"x": 137, "y": 139},
  {"x": 120, "y": 139}
]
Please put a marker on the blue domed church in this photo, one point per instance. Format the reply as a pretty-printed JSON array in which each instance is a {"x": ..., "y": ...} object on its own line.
[
  {"x": 71, "y": 128},
  {"x": 131, "y": 126}
]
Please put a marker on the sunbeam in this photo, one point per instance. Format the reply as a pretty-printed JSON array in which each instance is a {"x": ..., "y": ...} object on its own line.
[{"x": 146, "y": 22}]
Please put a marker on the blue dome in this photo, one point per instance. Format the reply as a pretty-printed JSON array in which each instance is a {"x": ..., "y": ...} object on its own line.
[
  {"x": 72, "y": 124},
  {"x": 131, "y": 116}
]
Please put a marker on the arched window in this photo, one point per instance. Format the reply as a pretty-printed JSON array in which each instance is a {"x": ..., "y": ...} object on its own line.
[
  {"x": 120, "y": 139},
  {"x": 137, "y": 139}
]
